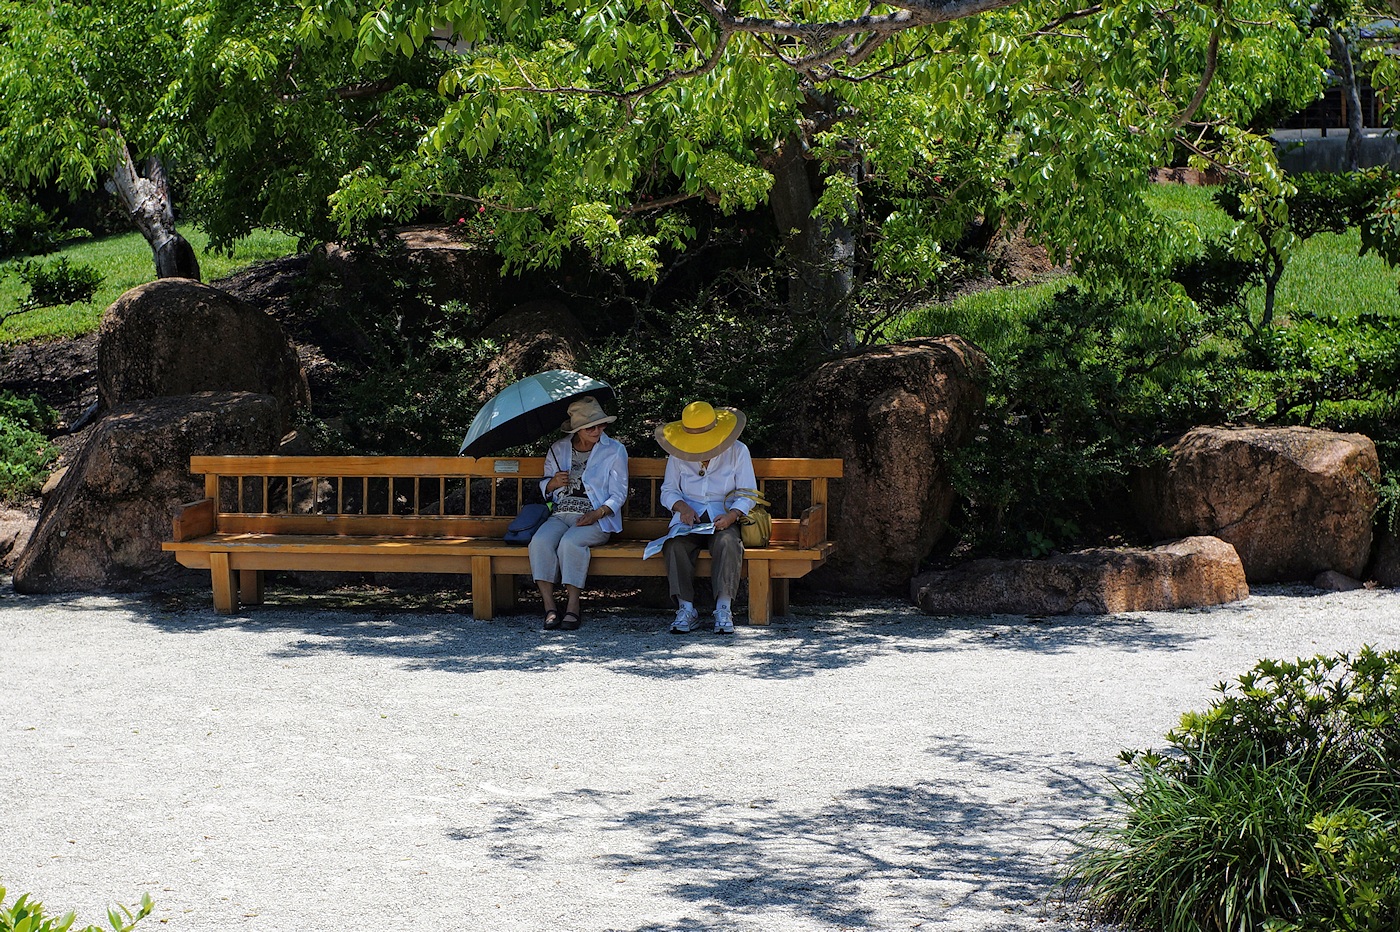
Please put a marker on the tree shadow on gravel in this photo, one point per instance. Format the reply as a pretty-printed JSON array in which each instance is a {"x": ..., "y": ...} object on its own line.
[
  {"x": 819, "y": 636},
  {"x": 986, "y": 832}
]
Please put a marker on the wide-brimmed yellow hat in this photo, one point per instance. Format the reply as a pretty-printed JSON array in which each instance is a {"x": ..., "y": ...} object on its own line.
[{"x": 703, "y": 431}]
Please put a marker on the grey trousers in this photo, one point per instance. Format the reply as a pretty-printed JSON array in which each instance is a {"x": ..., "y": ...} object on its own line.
[
  {"x": 726, "y": 556},
  {"x": 559, "y": 550}
]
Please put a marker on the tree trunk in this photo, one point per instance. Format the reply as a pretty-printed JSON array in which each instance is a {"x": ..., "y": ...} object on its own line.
[
  {"x": 1273, "y": 272},
  {"x": 820, "y": 252},
  {"x": 147, "y": 199},
  {"x": 1356, "y": 120}
]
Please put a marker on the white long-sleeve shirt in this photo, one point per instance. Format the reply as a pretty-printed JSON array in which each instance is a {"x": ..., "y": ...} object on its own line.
[
  {"x": 605, "y": 476},
  {"x": 705, "y": 493}
]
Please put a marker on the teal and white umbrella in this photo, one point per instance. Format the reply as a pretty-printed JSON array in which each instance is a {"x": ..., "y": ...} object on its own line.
[{"x": 527, "y": 410}]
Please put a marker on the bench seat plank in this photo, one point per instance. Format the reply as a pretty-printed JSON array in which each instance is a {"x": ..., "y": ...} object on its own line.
[{"x": 243, "y": 548}]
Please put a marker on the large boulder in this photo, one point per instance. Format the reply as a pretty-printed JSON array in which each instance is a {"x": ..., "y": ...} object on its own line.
[
  {"x": 178, "y": 337},
  {"x": 1385, "y": 565},
  {"x": 103, "y": 527},
  {"x": 457, "y": 270},
  {"x": 448, "y": 268},
  {"x": 533, "y": 337},
  {"x": 1185, "y": 573},
  {"x": 16, "y": 526},
  {"x": 891, "y": 413},
  {"x": 1293, "y": 501}
]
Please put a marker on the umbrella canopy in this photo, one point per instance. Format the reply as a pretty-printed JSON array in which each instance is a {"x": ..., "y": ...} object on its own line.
[{"x": 527, "y": 410}]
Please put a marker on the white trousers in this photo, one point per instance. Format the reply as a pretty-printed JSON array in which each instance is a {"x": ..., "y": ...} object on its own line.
[{"x": 559, "y": 550}]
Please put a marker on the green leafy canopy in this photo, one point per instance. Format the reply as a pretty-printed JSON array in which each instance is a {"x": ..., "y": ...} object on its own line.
[
  {"x": 577, "y": 122},
  {"x": 605, "y": 124}
]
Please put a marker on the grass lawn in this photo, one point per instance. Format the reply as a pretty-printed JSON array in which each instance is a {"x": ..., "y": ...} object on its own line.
[
  {"x": 992, "y": 319},
  {"x": 1325, "y": 276},
  {"x": 125, "y": 262}
]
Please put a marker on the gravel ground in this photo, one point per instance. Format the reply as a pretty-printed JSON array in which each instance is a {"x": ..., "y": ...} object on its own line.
[{"x": 857, "y": 765}]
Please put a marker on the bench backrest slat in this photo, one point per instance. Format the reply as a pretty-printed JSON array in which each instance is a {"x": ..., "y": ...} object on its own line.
[
  {"x": 462, "y": 496},
  {"x": 476, "y": 467}
]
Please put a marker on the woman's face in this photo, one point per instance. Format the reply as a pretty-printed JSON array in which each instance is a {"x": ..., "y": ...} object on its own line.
[{"x": 586, "y": 437}]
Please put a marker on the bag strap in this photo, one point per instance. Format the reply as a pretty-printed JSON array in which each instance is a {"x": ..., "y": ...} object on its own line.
[{"x": 752, "y": 495}]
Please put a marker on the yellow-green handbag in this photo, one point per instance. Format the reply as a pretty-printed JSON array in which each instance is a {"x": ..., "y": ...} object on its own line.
[{"x": 756, "y": 527}]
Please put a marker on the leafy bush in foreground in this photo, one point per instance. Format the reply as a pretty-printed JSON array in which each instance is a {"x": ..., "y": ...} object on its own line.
[
  {"x": 1277, "y": 809},
  {"x": 26, "y": 915}
]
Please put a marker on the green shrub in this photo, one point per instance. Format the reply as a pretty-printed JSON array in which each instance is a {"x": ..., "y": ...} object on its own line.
[
  {"x": 1339, "y": 372},
  {"x": 420, "y": 403},
  {"x": 25, "y": 228},
  {"x": 1340, "y": 715},
  {"x": 1077, "y": 397},
  {"x": 1333, "y": 202},
  {"x": 412, "y": 370},
  {"x": 718, "y": 349},
  {"x": 1278, "y": 808},
  {"x": 1083, "y": 387},
  {"x": 27, "y": 915},
  {"x": 58, "y": 284},
  {"x": 25, "y": 453}
]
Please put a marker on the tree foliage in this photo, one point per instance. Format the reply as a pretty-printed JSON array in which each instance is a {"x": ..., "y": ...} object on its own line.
[
  {"x": 256, "y": 128},
  {"x": 589, "y": 122},
  {"x": 875, "y": 137},
  {"x": 82, "y": 103},
  {"x": 275, "y": 126}
]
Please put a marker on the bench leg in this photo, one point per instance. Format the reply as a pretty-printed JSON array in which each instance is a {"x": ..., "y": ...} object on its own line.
[
  {"x": 504, "y": 594},
  {"x": 482, "y": 601},
  {"x": 225, "y": 588},
  {"x": 760, "y": 593},
  {"x": 780, "y": 596},
  {"x": 250, "y": 587}
]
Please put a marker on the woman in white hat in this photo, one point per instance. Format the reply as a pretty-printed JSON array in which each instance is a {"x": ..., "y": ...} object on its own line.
[
  {"x": 585, "y": 476},
  {"x": 706, "y": 464}
]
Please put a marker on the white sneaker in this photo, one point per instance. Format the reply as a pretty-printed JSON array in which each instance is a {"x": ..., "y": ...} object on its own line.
[
  {"x": 686, "y": 617},
  {"x": 724, "y": 621}
]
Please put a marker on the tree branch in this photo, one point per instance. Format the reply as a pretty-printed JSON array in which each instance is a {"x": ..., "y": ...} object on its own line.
[
  {"x": 1054, "y": 24},
  {"x": 453, "y": 195},
  {"x": 627, "y": 97},
  {"x": 348, "y": 92},
  {"x": 910, "y": 13},
  {"x": 1220, "y": 166},
  {"x": 657, "y": 204},
  {"x": 1212, "y": 57}
]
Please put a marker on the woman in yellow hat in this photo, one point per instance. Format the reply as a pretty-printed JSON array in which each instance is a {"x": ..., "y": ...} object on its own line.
[
  {"x": 585, "y": 477},
  {"x": 706, "y": 464}
]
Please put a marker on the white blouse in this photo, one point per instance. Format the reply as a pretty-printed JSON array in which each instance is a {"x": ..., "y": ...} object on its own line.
[
  {"x": 706, "y": 492},
  {"x": 604, "y": 478}
]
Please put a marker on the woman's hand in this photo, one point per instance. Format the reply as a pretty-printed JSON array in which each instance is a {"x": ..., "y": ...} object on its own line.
[
  {"x": 592, "y": 517},
  {"x": 687, "y": 514},
  {"x": 561, "y": 479},
  {"x": 726, "y": 519}
]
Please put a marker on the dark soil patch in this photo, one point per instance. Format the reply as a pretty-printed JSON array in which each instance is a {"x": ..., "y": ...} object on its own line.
[{"x": 62, "y": 372}]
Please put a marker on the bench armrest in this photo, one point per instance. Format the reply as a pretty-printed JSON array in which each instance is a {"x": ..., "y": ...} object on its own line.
[
  {"x": 811, "y": 528},
  {"x": 194, "y": 519}
]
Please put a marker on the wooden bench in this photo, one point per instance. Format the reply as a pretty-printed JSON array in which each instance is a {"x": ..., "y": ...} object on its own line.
[{"x": 447, "y": 515}]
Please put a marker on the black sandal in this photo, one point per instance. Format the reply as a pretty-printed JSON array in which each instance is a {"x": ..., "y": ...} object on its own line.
[
  {"x": 569, "y": 625},
  {"x": 551, "y": 619}
]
